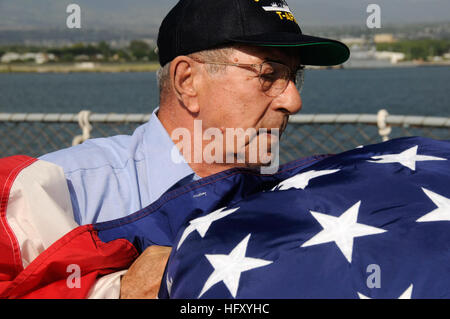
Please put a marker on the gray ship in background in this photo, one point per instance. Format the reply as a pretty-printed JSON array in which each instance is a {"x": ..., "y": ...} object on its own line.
[{"x": 365, "y": 55}]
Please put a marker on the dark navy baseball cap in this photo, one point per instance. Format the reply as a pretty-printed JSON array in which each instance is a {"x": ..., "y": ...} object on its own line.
[{"x": 196, "y": 25}]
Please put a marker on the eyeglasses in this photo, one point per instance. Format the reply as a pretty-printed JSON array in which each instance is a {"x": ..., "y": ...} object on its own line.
[{"x": 273, "y": 76}]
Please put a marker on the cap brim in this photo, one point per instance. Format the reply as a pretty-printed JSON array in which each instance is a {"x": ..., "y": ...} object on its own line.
[{"x": 314, "y": 50}]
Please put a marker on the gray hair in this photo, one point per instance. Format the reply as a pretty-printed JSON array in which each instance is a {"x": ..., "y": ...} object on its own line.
[{"x": 220, "y": 54}]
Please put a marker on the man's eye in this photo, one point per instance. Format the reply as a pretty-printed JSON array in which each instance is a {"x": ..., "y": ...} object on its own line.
[{"x": 268, "y": 76}]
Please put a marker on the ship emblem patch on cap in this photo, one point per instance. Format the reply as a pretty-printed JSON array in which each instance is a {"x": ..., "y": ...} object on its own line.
[
  {"x": 281, "y": 8},
  {"x": 278, "y": 6}
]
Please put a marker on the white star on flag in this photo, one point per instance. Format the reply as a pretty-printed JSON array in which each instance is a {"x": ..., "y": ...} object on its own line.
[
  {"x": 228, "y": 268},
  {"x": 202, "y": 224},
  {"x": 342, "y": 230},
  {"x": 441, "y": 213},
  {"x": 407, "y": 158},
  {"x": 302, "y": 180},
  {"x": 405, "y": 295}
]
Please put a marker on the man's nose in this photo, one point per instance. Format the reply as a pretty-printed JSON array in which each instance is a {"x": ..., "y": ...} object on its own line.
[{"x": 289, "y": 100}]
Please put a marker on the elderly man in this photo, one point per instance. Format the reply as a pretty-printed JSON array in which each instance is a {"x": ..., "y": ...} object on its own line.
[{"x": 229, "y": 64}]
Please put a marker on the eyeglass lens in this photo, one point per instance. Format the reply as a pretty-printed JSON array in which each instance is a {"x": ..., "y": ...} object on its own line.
[{"x": 275, "y": 78}]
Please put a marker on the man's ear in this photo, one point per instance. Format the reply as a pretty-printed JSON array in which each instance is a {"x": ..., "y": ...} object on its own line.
[{"x": 182, "y": 74}]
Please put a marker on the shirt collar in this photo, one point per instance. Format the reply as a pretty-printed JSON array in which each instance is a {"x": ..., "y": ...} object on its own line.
[{"x": 162, "y": 170}]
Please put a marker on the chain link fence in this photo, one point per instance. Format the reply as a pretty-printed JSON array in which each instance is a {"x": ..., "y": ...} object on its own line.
[{"x": 38, "y": 134}]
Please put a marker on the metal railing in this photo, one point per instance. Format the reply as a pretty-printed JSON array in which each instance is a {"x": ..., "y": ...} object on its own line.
[{"x": 35, "y": 134}]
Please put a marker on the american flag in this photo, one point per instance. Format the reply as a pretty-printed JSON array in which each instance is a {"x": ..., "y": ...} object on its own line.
[{"x": 373, "y": 222}]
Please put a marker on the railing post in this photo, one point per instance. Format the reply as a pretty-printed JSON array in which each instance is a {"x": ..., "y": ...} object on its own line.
[
  {"x": 86, "y": 128},
  {"x": 383, "y": 129}
]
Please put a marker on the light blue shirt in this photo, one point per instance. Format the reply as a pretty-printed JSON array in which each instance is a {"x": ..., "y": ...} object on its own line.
[{"x": 113, "y": 177}]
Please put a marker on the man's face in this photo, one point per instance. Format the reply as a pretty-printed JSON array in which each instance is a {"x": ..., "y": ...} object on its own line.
[{"x": 234, "y": 99}]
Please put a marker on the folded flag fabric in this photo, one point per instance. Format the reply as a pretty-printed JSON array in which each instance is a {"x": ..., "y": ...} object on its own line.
[
  {"x": 372, "y": 222},
  {"x": 44, "y": 253}
]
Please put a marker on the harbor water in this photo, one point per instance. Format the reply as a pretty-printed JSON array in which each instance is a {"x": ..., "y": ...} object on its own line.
[{"x": 409, "y": 91}]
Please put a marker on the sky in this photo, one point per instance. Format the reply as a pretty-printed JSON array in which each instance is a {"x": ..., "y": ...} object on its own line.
[{"x": 147, "y": 14}]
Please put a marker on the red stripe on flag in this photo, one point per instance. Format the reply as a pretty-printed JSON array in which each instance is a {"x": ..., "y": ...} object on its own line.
[
  {"x": 10, "y": 257},
  {"x": 46, "y": 277}
]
